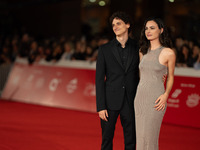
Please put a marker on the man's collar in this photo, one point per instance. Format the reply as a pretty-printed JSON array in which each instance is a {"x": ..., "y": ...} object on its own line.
[{"x": 119, "y": 44}]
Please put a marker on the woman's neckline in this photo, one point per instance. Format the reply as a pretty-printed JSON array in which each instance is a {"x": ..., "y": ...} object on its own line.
[{"x": 156, "y": 48}]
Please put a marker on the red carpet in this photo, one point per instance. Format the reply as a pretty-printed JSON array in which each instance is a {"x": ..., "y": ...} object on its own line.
[{"x": 33, "y": 127}]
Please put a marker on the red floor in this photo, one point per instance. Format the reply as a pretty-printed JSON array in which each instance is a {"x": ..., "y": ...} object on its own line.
[{"x": 33, "y": 127}]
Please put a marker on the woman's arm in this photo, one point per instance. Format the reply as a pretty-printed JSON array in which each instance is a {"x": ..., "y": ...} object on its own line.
[
  {"x": 162, "y": 100},
  {"x": 171, "y": 67}
]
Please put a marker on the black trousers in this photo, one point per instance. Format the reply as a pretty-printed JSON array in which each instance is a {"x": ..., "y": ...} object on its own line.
[{"x": 127, "y": 117}]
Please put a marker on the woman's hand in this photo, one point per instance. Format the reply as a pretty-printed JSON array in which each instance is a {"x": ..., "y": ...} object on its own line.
[{"x": 161, "y": 102}]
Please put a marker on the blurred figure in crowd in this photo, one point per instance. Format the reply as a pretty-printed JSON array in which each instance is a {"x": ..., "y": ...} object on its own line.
[
  {"x": 24, "y": 46},
  {"x": 41, "y": 54},
  {"x": 194, "y": 56},
  {"x": 79, "y": 54},
  {"x": 101, "y": 41},
  {"x": 48, "y": 53},
  {"x": 15, "y": 48},
  {"x": 93, "y": 43},
  {"x": 57, "y": 53},
  {"x": 88, "y": 53},
  {"x": 197, "y": 63},
  {"x": 33, "y": 52},
  {"x": 5, "y": 55},
  {"x": 183, "y": 56},
  {"x": 68, "y": 50},
  {"x": 190, "y": 44},
  {"x": 178, "y": 45}
]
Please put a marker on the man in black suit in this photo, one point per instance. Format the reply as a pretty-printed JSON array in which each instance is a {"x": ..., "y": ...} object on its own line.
[{"x": 117, "y": 77}]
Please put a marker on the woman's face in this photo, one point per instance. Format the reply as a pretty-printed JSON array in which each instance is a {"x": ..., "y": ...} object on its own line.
[{"x": 152, "y": 30}]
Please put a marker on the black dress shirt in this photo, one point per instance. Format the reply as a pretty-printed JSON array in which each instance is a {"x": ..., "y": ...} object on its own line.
[{"x": 123, "y": 52}]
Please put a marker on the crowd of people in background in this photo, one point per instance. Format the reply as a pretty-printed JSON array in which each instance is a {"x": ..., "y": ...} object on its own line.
[
  {"x": 50, "y": 50},
  {"x": 73, "y": 48},
  {"x": 188, "y": 53}
]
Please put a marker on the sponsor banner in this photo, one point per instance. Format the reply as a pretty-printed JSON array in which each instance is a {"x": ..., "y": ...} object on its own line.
[
  {"x": 53, "y": 86},
  {"x": 183, "y": 105},
  {"x": 74, "y": 88}
]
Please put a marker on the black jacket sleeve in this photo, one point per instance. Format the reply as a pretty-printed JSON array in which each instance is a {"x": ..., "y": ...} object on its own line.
[{"x": 100, "y": 81}]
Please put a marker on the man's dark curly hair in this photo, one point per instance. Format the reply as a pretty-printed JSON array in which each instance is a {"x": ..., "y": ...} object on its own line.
[{"x": 124, "y": 17}]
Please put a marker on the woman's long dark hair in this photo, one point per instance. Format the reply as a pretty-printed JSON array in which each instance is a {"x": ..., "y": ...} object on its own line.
[{"x": 163, "y": 38}]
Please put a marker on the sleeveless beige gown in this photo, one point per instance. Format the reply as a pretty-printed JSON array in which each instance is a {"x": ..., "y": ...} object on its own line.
[{"x": 150, "y": 87}]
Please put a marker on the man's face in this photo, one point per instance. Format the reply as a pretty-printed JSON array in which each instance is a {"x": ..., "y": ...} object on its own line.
[{"x": 119, "y": 27}]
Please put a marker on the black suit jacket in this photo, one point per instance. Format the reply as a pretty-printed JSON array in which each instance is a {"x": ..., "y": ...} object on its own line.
[{"x": 113, "y": 81}]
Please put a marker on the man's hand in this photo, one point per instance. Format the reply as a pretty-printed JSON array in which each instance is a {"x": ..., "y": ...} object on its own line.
[
  {"x": 164, "y": 77},
  {"x": 103, "y": 114}
]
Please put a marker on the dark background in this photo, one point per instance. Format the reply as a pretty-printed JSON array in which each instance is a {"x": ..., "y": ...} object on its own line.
[{"x": 55, "y": 18}]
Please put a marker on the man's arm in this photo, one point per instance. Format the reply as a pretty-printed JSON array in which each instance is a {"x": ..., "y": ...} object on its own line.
[{"x": 100, "y": 86}]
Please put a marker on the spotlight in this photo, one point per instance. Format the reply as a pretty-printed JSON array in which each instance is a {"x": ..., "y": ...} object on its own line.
[
  {"x": 102, "y": 3},
  {"x": 92, "y": 1}
]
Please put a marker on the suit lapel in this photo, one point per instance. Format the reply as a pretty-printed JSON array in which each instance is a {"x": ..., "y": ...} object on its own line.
[
  {"x": 130, "y": 56},
  {"x": 116, "y": 54}
]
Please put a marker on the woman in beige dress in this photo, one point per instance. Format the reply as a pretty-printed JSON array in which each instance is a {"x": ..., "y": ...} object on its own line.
[{"x": 156, "y": 59}]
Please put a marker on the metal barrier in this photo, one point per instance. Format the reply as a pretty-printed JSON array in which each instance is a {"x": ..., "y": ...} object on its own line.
[{"x": 4, "y": 72}]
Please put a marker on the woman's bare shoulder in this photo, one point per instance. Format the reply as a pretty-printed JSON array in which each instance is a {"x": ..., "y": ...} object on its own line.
[{"x": 168, "y": 52}]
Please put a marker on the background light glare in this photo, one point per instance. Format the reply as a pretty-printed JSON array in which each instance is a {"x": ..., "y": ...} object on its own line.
[{"x": 102, "y": 3}]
